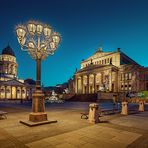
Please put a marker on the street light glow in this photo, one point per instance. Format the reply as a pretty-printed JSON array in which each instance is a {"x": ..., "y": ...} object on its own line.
[{"x": 38, "y": 39}]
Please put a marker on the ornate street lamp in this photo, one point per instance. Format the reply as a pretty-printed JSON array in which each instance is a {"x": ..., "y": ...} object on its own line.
[{"x": 39, "y": 40}]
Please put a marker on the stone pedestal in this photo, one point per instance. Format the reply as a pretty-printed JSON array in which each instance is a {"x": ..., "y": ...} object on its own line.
[
  {"x": 38, "y": 107},
  {"x": 141, "y": 106},
  {"x": 93, "y": 113},
  {"x": 124, "y": 110},
  {"x": 38, "y": 116}
]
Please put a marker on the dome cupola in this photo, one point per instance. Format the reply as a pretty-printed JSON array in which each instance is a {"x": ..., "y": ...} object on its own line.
[{"x": 8, "y": 51}]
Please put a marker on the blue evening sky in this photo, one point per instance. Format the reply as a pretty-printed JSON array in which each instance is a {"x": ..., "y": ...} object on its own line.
[{"x": 84, "y": 26}]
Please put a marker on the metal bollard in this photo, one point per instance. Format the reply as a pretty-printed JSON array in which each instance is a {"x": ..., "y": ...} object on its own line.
[
  {"x": 124, "y": 110},
  {"x": 93, "y": 113}
]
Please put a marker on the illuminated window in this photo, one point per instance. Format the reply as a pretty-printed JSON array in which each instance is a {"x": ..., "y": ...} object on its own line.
[
  {"x": 122, "y": 77},
  {"x": 125, "y": 86},
  {"x": 2, "y": 90},
  {"x": 129, "y": 87},
  {"x": 18, "y": 91},
  {"x": 23, "y": 91},
  {"x": 85, "y": 80},
  {"x": 122, "y": 86},
  {"x": 8, "y": 90},
  {"x": 130, "y": 76},
  {"x": 126, "y": 76}
]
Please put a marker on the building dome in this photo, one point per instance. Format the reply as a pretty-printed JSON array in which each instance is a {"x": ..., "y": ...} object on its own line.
[
  {"x": 8, "y": 64},
  {"x": 8, "y": 51}
]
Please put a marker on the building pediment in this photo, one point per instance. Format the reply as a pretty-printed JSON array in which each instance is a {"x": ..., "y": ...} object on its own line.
[
  {"x": 12, "y": 83},
  {"x": 98, "y": 55},
  {"x": 98, "y": 67}
]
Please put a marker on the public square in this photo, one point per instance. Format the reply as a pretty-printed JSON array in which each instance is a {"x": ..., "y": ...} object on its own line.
[
  {"x": 74, "y": 74},
  {"x": 71, "y": 131}
]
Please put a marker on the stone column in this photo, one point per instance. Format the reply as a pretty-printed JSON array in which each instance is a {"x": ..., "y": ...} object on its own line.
[
  {"x": 110, "y": 81},
  {"x": 76, "y": 85},
  {"x": 26, "y": 92},
  {"x": 94, "y": 83},
  {"x": 16, "y": 92},
  {"x": 124, "y": 110},
  {"x": 87, "y": 84},
  {"x": 5, "y": 92},
  {"x": 11, "y": 92},
  {"x": 21, "y": 92},
  {"x": 102, "y": 74},
  {"x": 93, "y": 113},
  {"x": 117, "y": 83},
  {"x": 82, "y": 84}
]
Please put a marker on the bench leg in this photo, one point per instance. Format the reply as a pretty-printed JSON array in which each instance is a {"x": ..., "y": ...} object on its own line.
[
  {"x": 5, "y": 116},
  {"x": 85, "y": 117}
]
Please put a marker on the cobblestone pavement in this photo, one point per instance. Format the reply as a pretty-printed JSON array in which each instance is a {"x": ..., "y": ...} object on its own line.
[{"x": 114, "y": 131}]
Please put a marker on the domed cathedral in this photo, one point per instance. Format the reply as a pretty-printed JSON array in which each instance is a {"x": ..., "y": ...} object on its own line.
[{"x": 10, "y": 86}]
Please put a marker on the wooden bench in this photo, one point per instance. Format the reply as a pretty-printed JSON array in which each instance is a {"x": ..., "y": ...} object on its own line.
[
  {"x": 107, "y": 111},
  {"x": 84, "y": 115},
  {"x": 3, "y": 114}
]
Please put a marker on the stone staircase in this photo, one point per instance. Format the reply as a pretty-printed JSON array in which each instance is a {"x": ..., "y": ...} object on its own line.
[{"x": 83, "y": 98}]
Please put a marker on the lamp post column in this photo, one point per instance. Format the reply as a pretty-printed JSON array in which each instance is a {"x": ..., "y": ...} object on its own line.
[
  {"x": 38, "y": 106},
  {"x": 38, "y": 74}
]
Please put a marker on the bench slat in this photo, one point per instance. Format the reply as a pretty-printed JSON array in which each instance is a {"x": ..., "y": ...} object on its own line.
[{"x": 3, "y": 114}]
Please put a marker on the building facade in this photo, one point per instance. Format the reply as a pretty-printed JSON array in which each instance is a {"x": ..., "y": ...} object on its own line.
[
  {"x": 10, "y": 86},
  {"x": 110, "y": 71}
]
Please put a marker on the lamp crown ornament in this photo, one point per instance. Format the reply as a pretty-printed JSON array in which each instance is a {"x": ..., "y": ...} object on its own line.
[{"x": 38, "y": 39}]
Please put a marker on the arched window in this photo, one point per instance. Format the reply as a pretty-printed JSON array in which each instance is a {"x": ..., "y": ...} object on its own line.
[
  {"x": 23, "y": 91},
  {"x": 18, "y": 91},
  {"x": 2, "y": 90},
  {"x": 8, "y": 90}
]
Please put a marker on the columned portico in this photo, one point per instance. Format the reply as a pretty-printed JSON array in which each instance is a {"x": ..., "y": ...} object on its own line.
[
  {"x": 111, "y": 72},
  {"x": 101, "y": 79}
]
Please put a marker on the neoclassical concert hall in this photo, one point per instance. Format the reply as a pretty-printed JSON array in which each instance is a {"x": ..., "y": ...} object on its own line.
[{"x": 110, "y": 71}]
